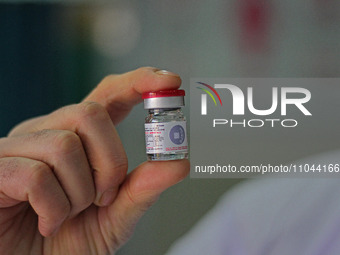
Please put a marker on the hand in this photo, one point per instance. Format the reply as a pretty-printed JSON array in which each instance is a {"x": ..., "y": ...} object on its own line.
[{"x": 63, "y": 183}]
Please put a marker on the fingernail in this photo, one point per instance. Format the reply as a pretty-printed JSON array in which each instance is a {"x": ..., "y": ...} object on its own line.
[
  {"x": 166, "y": 72},
  {"x": 108, "y": 197}
]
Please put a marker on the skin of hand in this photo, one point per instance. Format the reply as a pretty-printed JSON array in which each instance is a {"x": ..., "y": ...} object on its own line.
[{"x": 64, "y": 187}]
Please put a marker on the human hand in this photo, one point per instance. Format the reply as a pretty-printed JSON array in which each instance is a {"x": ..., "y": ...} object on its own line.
[{"x": 63, "y": 183}]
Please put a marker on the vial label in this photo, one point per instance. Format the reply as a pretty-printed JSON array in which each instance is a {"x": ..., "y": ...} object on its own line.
[{"x": 166, "y": 137}]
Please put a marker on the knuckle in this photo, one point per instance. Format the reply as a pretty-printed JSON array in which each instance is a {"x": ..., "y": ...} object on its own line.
[
  {"x": 41, "y": 174},
  {"x": 66, "y": 142},
  {"x": 92, "y": 110},
  {"x": 108, "y": 78},
  {"x": 42, "y": 179}
]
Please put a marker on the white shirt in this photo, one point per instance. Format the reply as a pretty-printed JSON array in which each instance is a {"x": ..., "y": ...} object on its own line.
[{"x": 277, "y": 216}]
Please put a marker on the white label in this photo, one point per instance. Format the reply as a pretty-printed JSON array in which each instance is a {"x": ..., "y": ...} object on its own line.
[{"x": 166, "y": 137}]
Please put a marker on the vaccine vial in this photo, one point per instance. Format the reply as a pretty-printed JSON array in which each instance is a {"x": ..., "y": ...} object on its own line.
[{"x": 165, "y": 125}]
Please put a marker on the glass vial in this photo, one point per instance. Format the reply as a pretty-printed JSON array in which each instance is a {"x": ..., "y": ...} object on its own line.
[{"x": 165, "y": 125}]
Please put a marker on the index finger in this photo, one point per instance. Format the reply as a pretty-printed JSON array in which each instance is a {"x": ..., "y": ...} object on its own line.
[{"x": 119, "y": 93}]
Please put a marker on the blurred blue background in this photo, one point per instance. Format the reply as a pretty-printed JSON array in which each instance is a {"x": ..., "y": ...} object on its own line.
[{"x": 53, "y": 53}]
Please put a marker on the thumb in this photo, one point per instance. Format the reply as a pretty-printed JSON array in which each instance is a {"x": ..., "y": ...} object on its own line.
[
  {"x": 140, "y": 190},
  {"x": 119, "y": 93}
]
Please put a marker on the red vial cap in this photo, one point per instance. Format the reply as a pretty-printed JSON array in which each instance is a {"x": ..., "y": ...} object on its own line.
[{"x": 164, "y": 93}]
